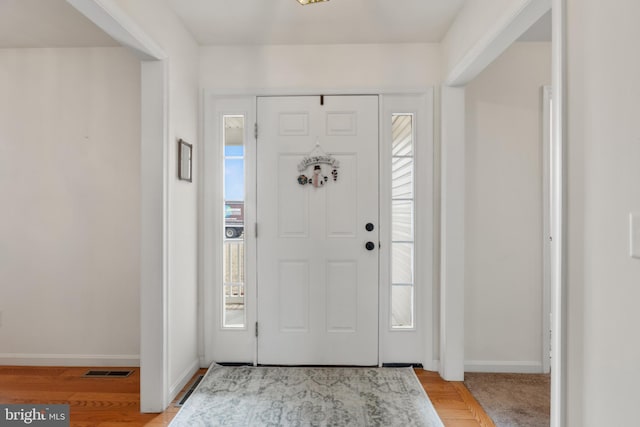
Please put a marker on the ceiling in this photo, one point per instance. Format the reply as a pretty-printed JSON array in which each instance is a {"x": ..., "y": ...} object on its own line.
[
  {"x": 258, "y": 22},
  {"x": 47, "y": 23},
  {"x": 55, "y": 23}
]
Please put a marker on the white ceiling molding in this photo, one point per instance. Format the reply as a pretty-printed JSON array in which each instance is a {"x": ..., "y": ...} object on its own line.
[
  {"x": 515, "y": 22},
  {"x": 107, "y": 15}
]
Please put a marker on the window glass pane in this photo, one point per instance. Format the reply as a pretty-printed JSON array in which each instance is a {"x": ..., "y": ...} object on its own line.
[
  {"x": 234, "y": 283},
  {"x": 402, "y": 221},
  {"x": 233, "y": 245},
  {"x": 402, "y": 263},
  {"x": 234, "y": 179},
  {"x": 402, "y": 135},
  {"x": 402, "y": 178},
  {"x": 234, "y": 151},
  {"x": 401, "y": 308},
  {"x": 402, "y": 226}
]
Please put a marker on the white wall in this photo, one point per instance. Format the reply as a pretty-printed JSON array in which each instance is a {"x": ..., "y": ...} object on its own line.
[
  {"x": 603, "y": 188},
  {"x": 364, "y": 67},
  {"x": 503, "y": 255},
  {"x": 164, "y": 27},
  {"x": 70, "y": 191}
]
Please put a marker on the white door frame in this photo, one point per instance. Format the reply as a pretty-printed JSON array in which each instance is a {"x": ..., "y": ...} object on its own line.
[
  {"x": 486, "y": 50},
  {"x": 413, "y": 345},
  {"x": 155, "y": 394},
  {"x": 559, "y": 218},
  {"x": 546, "y": 229},
  {"x": 214, "y": 102},
  {"x": 242, "y": 343},
  {"x": 452, "y": 231}
]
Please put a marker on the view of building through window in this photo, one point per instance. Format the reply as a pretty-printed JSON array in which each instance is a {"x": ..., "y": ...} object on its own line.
[{"x": 234, "y": 196}]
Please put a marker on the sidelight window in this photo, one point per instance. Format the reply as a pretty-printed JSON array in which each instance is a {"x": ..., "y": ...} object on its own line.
[
  {"x": 234, "y": 313},
  {"x": 402, "y": 220}
]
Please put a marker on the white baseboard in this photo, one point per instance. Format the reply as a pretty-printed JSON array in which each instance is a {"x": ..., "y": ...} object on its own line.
[
  {"x": 432, "y": 365},
  {"x": 503, "y": 366},
  {"x": 183, "y": 379},
  {"x": 90, "y": 360}
]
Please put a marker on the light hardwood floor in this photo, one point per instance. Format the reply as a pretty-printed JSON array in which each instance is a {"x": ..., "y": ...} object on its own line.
[{"x": 115, "y": 402}]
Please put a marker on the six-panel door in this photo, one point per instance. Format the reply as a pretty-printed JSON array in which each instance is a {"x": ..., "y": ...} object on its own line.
[{"x": 317, "y": 278}]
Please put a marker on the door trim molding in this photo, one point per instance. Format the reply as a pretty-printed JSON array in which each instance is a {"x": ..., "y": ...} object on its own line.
[
  {"x": 465, "y": 73},
  {"x": 211, "y": 235},
  {"x": 559, "y": 231},
  {"x": 546, "y": 229},
  {"x": 452, "y": 227},
  {"x": 210, "y": 97},
  {"x": 416, "y": 344},
  {"x": 155, "y": 393}
]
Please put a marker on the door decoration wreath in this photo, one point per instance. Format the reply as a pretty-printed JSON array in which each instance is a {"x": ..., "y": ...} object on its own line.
[{"x": 316, "y": 160}]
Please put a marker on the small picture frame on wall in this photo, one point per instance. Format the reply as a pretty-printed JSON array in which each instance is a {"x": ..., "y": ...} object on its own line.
[{"x": 185, "y": 153}]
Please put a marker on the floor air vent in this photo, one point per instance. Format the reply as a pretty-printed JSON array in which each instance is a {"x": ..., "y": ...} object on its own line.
[
  {"x": 107, "y": 374},
  {"x": 191, "y": 389}
]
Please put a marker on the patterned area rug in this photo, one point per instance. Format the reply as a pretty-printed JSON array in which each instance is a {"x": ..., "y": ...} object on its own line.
[{"x": 292, "y": 396}]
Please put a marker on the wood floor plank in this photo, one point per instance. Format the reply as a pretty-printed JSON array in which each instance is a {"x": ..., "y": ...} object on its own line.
[
  {"x": 460, "y": 423},
  {"x": 473, "y": 405},
  {"x": 115, "y": 402},
  {"x": 455, "y": 408}
]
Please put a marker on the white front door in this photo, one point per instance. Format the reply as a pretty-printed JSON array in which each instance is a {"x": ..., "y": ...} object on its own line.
[{"x": 317, "y": 280}]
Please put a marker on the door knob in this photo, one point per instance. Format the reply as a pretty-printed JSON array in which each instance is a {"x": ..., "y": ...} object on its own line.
[
  {"x": 369, "y": 227},
  {"x": 370, "y": 246}
]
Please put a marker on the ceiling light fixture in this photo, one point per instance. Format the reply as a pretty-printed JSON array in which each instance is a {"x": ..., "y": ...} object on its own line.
[{"x": 303, "y": 2}]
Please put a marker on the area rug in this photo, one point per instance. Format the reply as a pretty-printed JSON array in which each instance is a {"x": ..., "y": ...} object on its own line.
[
  {"x": 512, "y": 400},
  {"x": 296, "y": 396}
]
